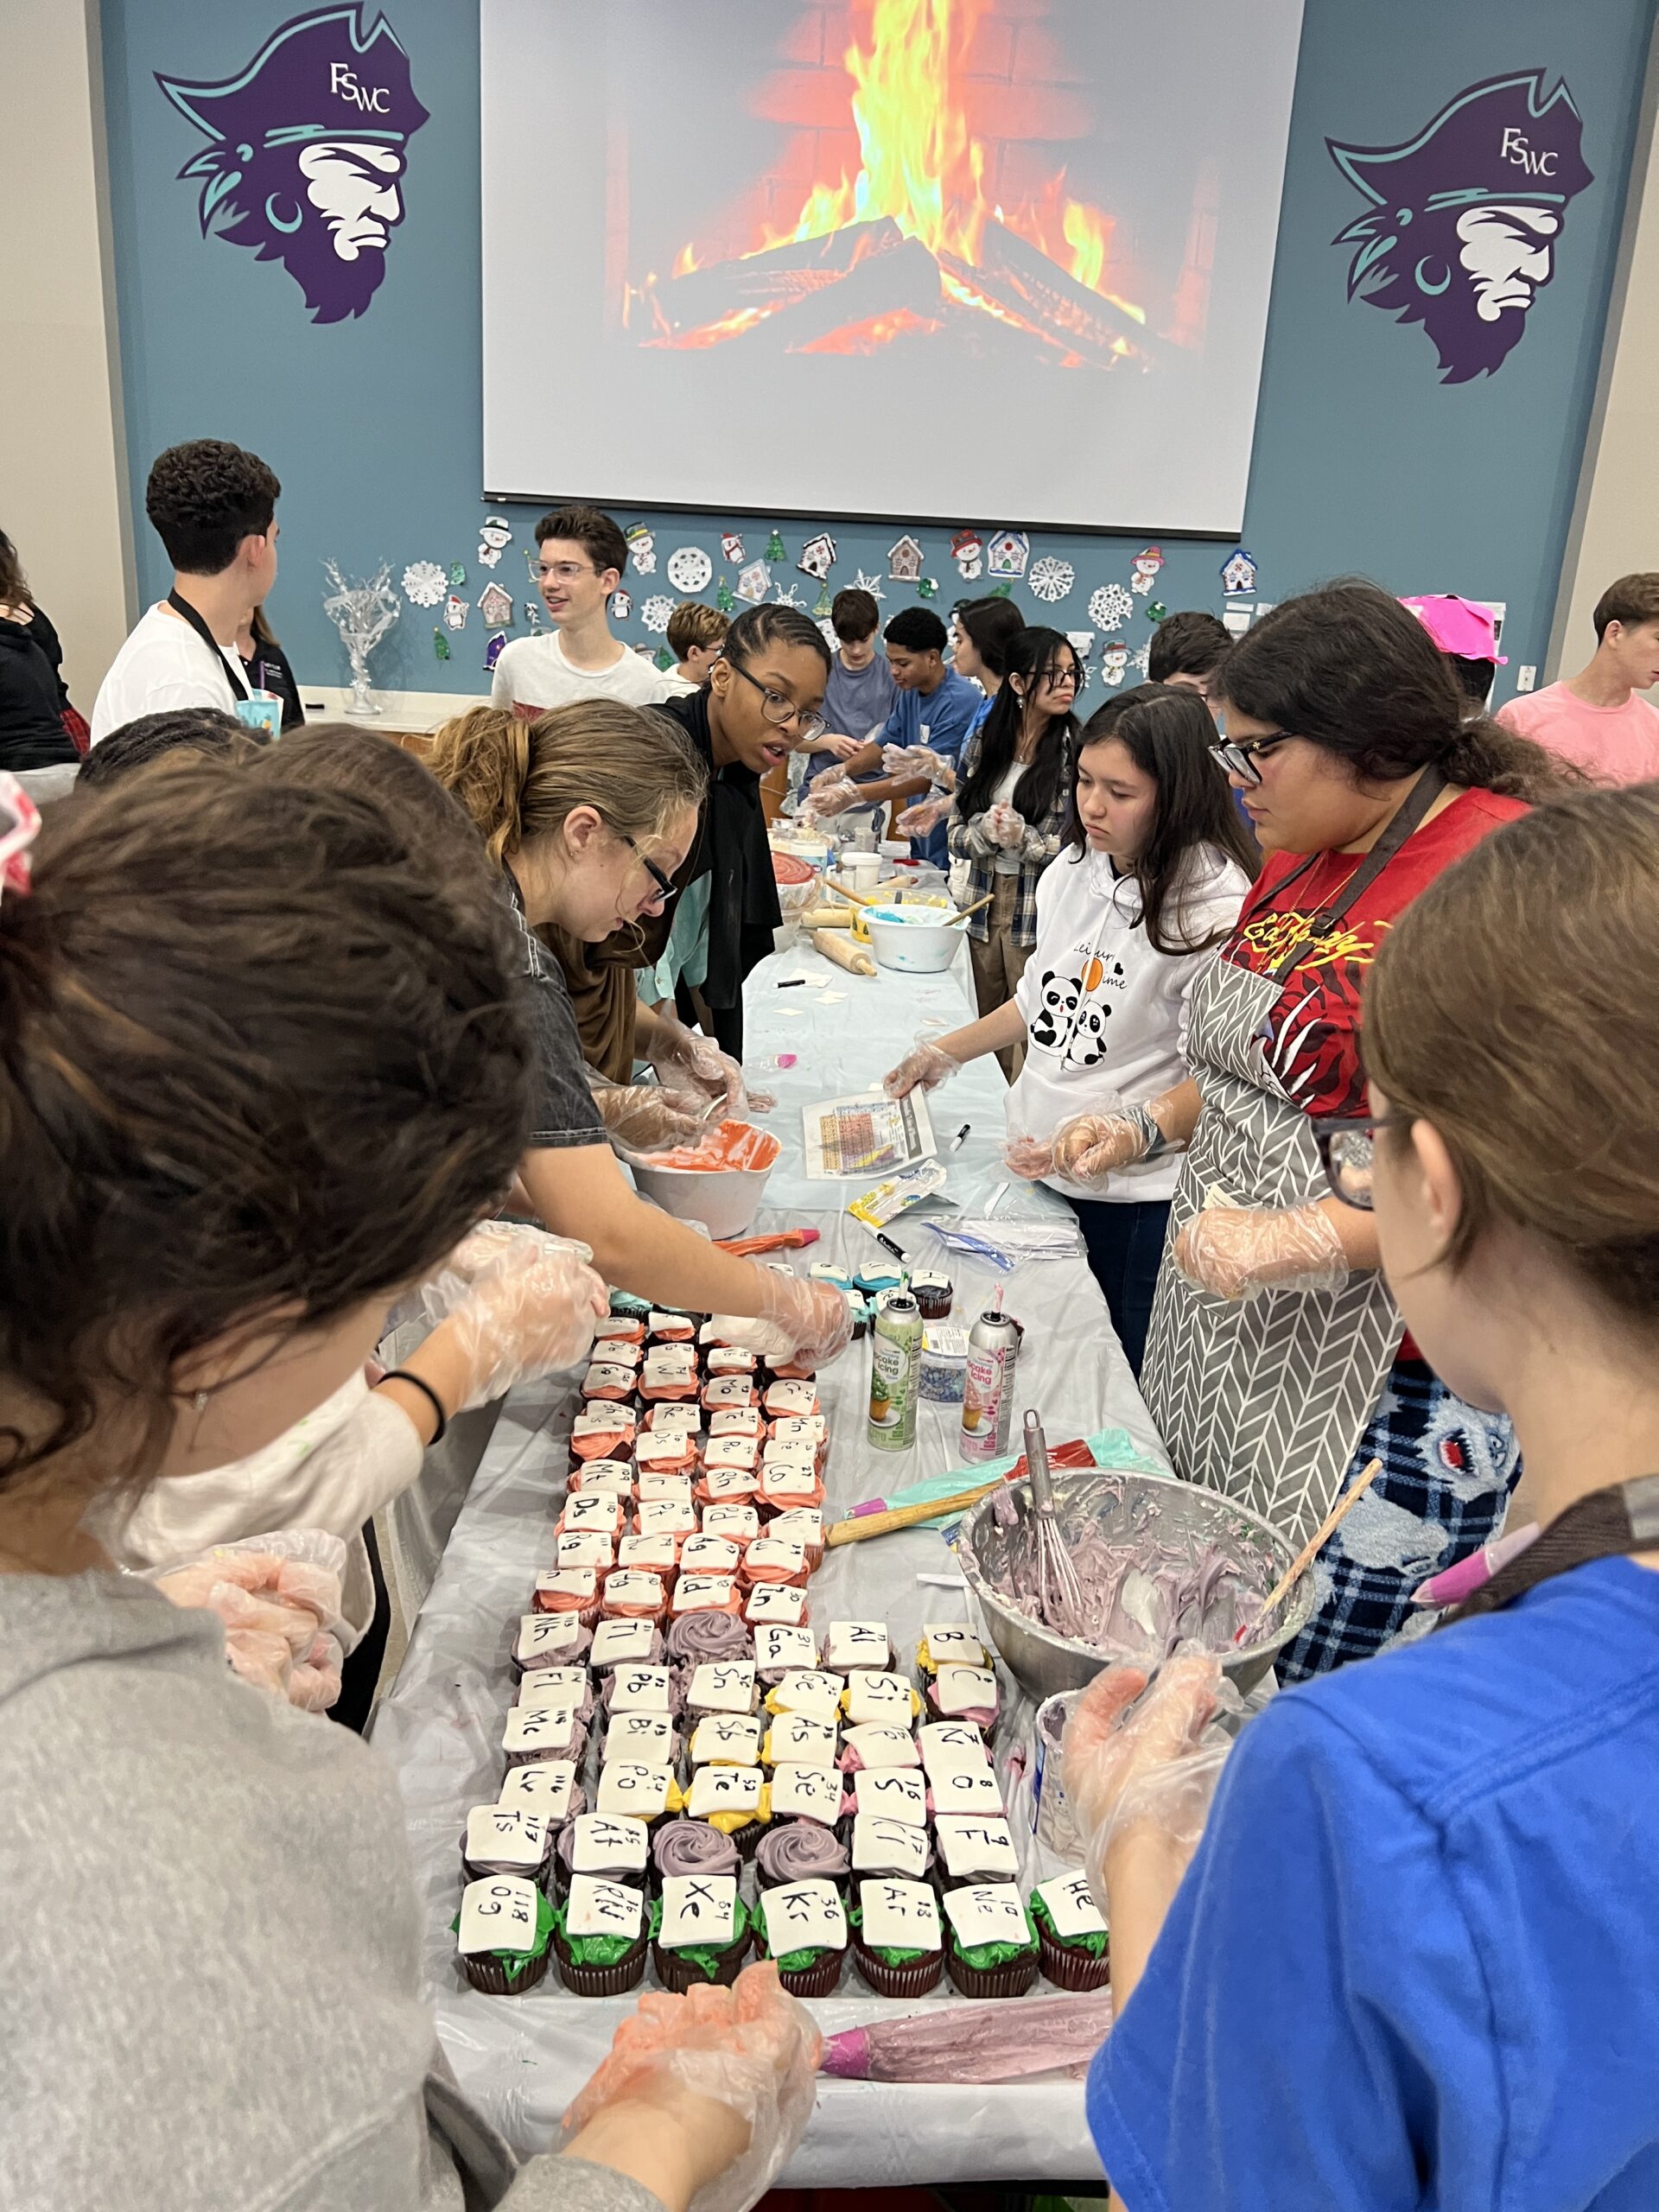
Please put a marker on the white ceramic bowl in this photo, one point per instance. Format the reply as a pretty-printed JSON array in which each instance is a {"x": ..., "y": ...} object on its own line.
[
  {"x": 918, "y": 940},
  {"x": 724, "y": 1199}
]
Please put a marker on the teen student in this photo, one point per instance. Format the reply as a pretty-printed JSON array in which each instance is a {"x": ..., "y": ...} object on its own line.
[
  {"x": 981, "y": 631},
  {"x": 859, "y": 696},
  {"x": 1277, "y": 1362},
  {"x": 1594, "y": 719},
  {"x": 1414, "y": 1957},
  {"x": 696, "y": 634},
  {"x": 935, "y": 707},
  {"x": 1187, "y": 649},
  {"x": 1010, "y": 806},
  {"x": 588, "y": 813},
  {"x": 213, "y": 507},
  {"x": 38, "y": 726},
  {"x": 581, "y": 557},
  {"x": 226, "y": 1001},
  {"x": 1154, "y": 866}
]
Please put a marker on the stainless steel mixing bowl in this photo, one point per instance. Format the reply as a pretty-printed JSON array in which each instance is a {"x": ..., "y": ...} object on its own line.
[{"x": 1116, "y": 1504}]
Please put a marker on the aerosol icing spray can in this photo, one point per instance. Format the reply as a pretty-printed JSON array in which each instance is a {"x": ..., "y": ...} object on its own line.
[
  {"x": 895, "y": 1373},
  {"x": 988, "y": 1392}
]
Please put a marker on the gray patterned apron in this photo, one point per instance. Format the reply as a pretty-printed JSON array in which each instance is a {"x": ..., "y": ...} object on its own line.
[{"x": 1266, "y": 1398}]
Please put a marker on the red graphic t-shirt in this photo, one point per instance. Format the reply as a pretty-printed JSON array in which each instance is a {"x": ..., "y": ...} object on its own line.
[{"x": 1312, "y": 1032}]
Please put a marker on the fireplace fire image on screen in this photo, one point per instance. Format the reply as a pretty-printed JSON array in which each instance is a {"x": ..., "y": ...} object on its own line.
[{"x": 929, "y": 224}]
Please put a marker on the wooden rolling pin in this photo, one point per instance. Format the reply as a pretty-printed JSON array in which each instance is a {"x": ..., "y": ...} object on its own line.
[
  {"x": 843, "y": 952},
  {"x": 906, "y": 1516},
  {"x": 827, "y": 918}
]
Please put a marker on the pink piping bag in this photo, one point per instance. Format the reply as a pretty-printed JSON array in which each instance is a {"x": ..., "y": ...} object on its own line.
[{"x": 975, "y": 2042}]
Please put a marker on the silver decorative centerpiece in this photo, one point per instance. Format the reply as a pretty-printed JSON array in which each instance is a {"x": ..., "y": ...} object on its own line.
[{"x": 362, "y": 613}]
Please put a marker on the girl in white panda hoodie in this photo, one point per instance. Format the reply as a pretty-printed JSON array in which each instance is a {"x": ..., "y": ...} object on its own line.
[{"x": 1154, "y": 868}]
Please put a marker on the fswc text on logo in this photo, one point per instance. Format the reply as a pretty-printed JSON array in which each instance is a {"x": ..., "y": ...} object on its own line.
[
  {"x": 308, "y": 146},
  {"x": 1465, "y": 219}
]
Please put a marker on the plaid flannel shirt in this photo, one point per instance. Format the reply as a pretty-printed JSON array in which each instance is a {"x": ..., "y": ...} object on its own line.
[{"x": 969, "y": 843}]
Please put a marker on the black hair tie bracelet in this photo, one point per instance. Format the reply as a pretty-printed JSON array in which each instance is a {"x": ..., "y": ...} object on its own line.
[{"x": 403, "y": 1375}]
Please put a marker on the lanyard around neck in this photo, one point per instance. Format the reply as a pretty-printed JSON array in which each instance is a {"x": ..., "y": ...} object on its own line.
[{"x": 193, "y": 616}]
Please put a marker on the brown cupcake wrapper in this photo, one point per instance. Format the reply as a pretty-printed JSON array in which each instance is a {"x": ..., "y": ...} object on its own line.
[
  {"x": 1011, "y": 1980},
  {"x": 601, "y": 1981},
  {"x": 1074, "y": 1970},
  {"x": 907, "y": 1981},
  {"x": 490, "y": 1976},
  {"x": 935, "y": 1304},
  {"x": 821, "y": 1980},
  {"x": 679, "y": 1974}
]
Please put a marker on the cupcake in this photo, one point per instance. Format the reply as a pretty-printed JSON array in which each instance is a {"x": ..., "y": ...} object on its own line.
[
  {"x": 668, "y": 1419},
  {"x": 502, "y": 1934},
  {"x": 1072, "y": 1939},
  {"x": 692, "y": 1847},
  {"x": 603, "y": 1431},
  {"x": 774, "y": 1559},
  {"x": 698, "y": 1638},
  {"x": 778, "y": 1604},
  {"x": 665, "y": 1517},
  {"x": 706, "y": 1555},
  {"x": 799, "y": 1851},
  {"x": 799, "y": 1524},
  {"x": 706, "y": 1593},
  {"x": 934, "y": 1294},
  {"x": 645, "y": 1738},
  {"x": 871, "y": 1280},
  {"x": 797, "y": 1739},
  {"x": 611, "y": 1850},
  {"x": 727, "y": 1486},
  {"x": 589, "y": 1513},
  {"x": 533, "y": 1734},
  {"x": 652, "y": 1554},
  {"x": 728, "y": 1359},
  {"x": 881, "y": 1847},
  {"x": 897, "y": 1793},
  {"x": 639, "y": 1688},
  {"x": 878, "y": 1743},
  {"x": 585, "y": 1547},
  {"x": 721, "y": 1686},
  {"x": 624, "y": 1644},
  {"x": 791, "y": 1400},
  {"x": 658, "y": 1485},
  {"x": 787, "y": 1483},
  {"x": 726, "y": 1739},
  {"x": 974, "y": 1849},
  {"x": 872, "y": 1695},
  {"x": 828, "y": 1271},
  {"x": 946, "y": 1644},
  {"x": 898, "y": 1942},
  {"x": 723, "y": 1390},
  {"x": 635, "y": 1593},
  {"x": 607, "y": 1379},
  {"x": 739, "y": 1523},
  {"x": 572, "y": 1590},
  {"x": 550, "y": 1640},
  {"x": 665, "y": 1452},
  {"x": 700, "y": 1931},
  {"x": 991, "y": 1950},
  {"x": 965, "y": 1694},
  {"x": 613, "y": 1476},
  {"x": 665, "y": 1328},
  {"x": 550, "y": 1788},
  {"x": 857, "y": 1643},
  {"x": 599, "y": 1937},
  {"x": 722, "y": 1453},
  {"x": 506, "y": 1839},
  {"x": 671, "y": 1379},
  {"x": 781, "y": 1647},
  {"x": 798, "y": 1794},
  {"x": 730, "y": 1798},
  {"x": 618, "y": 1329},
  {"x": 803, "y": 1435},
  {"x": 952, "y": 1747},
  {"x": 805, "y": 1690},
  {"x": 569, "y": 1687},
  {"x": 801, "y": 1927},
  {"x": 737, "y": 1421}
]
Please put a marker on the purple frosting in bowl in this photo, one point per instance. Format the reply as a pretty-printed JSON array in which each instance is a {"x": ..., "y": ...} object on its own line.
[
  {"x": 802, "y": 1851},
  {"x": 692, "y": 1847},
  {"x": 700, "y": 1639}
]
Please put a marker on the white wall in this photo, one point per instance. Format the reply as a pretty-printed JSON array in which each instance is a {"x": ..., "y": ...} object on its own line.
[
  {"x": 62, "y": 475},
  {"x": 1615, "y": 523}
]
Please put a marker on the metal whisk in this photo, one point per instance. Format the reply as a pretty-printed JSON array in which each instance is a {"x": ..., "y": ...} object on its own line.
[{"x": 1059, "y": 1596}]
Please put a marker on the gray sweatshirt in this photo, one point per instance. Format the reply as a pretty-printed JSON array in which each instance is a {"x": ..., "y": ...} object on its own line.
[{"x": 209, "y": 1984}]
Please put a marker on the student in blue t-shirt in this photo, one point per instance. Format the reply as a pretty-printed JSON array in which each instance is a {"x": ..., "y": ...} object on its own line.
[
  {"x": 935, "y": 707},
  {"x": 1414, "y": 1959}
]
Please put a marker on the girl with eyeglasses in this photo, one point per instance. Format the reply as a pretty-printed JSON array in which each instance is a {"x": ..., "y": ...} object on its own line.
[
  {"x": 1277, "y": 1363},
  {"x": 1414, "y": 1960}
]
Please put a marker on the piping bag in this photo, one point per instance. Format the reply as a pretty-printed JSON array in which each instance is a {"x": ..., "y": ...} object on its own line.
[{"x": 980, "y": 2043}]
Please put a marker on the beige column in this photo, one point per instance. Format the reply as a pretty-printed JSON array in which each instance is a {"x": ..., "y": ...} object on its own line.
[{"x": 62, "y": 465}]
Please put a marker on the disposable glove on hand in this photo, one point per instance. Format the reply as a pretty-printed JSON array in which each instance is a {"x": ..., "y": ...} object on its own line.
[
  {"x": 1235, "y": 1252},
  {"x": 689, "y": 1064},
  {"x": 649, "y": 1116},
  {"x": 927, "y": 814},
  {"x": 924, "y": 1067},
  {"x": 815, "y": 1316},
  {"x": 1005, "y": 826},
  {"x": 1090, "y": 1148},
  {"x": 918, "y": 760},
  {"x": 729, "y": 2074},
  {"x": 1032, "y": 1158},
  {"x": 534, "y": 1310},
  {"x": 829, "y": 794}
]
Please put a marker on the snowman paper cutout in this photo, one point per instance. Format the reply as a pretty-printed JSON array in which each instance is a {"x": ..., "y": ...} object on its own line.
[
  {"x": 619, "y": 605},
  {"x": 1114, "y": 659},
  {"x": 968, "y": 551},
  {"x": 493, "y": 540},
  {"x": 455, "y": 611},
  {"x": 689, "y": 569},
  {"x": 731, "y": 544},
  {"x": 642, "y": 549},
  {"x": 1144, "y": 567}
]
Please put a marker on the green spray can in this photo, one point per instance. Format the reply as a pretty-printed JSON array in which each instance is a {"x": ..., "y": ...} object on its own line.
[{"x": 895, "y": 1373}]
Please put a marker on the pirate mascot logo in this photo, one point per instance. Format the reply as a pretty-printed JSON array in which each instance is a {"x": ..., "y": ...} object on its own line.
[
  {"x": 1466, "y": 218},
  {"x": 307, "y": 155}
]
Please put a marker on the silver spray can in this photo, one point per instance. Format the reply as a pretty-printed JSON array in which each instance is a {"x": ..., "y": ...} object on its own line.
[{"x": 988, "y": 1389}]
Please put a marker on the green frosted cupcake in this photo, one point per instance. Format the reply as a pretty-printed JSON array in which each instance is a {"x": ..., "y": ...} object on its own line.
[{"x": 502, "y": 1932}]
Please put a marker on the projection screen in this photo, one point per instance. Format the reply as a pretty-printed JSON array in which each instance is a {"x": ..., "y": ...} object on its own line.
[{"x": 915, "y": 258}]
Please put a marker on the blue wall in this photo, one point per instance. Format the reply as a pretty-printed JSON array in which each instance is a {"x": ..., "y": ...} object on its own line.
[{"x": 1363, "y": 460}]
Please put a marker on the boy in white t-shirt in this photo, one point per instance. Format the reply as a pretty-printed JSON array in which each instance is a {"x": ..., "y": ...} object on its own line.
[
  {"x": 581, "y": 556},
  {"x": 213, "y": 507}
]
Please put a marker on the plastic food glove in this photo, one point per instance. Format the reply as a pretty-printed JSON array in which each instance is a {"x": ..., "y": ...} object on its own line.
[
  {"x": 924, "y": 1067},
  {"x": 918, "y": 761},
  {"x": 1032, "y": 1158},
  {"x": 815, "y": 1316},
  {"x": 831, "y": 793},
  {"x": 728, "y": 2075},
  {"x": 533, "y": 1311},
  {"x": 1005, "y": 826},
  {"x": 1233, "y": 1252},
  {"x": 1090, "y": 1147},
  {"x": 926, "y": 814},
  {"x": 686, "y": 1061},
  {"x": 648, "y": 1116},
  {"x": 1134, "y": 1755}
]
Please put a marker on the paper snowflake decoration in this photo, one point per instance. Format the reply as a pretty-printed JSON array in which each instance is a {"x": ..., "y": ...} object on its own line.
[
  {"x": 1139, "y": 659},
  {"x": 1050, "y": 579},
  {"x": 655, "y": 610},
  {"x": 871, "y": 584},
  {"x": 1110, "y": 606},
  {"x": 689, "y": 569},
  {"x": 784, "y": 595},
  {"x": 424, "y": 583}
]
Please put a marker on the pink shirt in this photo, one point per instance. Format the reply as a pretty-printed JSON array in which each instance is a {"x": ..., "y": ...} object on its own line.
[{"x": 1616, "y": 745}]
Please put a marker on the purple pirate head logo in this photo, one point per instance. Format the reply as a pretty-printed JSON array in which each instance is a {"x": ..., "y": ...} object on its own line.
[
  {"x": 307, "y": 150},
  {"x": 1466, "y": 218}
]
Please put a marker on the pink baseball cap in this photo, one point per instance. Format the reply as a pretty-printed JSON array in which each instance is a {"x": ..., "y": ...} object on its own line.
[{"x": 1459, "y": 626}]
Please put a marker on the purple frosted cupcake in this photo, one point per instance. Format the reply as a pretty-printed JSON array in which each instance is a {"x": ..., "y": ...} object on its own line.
[
  {"x": 703, "y": 1638},
  {"x": 634, "y": 1689},
  {"x": 534, "y": 1733},
  {"x": 625, "y": 1643},
  {"x": 801, "y": 1851},
  {"x": 692, "y": 1847},
  {"x": 610, "y": 1848}
]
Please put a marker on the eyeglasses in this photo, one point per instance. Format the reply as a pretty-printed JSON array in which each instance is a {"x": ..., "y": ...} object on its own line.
[
  {"x": 778, "y": 710},
  {"x": 1238, "y": 756},
  {"x": 1347, "y": 1145},
  {"x": 666, "y": 889},
  {"x": 565, "y": 572}
]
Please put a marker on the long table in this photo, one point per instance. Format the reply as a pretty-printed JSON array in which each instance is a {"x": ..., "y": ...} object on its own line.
[{"x": 523, "y": 2058}]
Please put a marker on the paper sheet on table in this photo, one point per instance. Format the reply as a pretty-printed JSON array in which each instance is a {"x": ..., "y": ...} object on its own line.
[{"x": 868, "y": 1133}]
